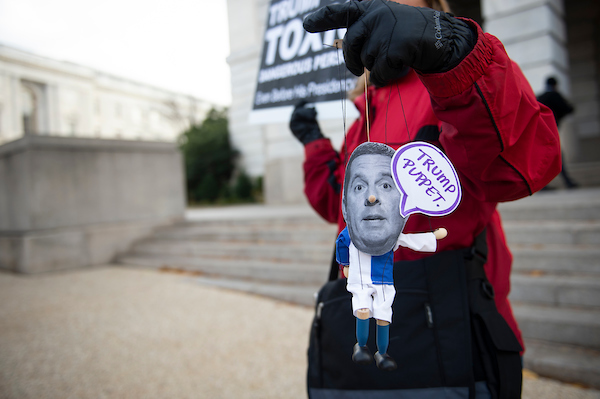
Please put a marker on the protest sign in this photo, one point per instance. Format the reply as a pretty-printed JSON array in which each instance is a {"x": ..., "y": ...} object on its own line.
[
  {"x": 426, "y": 179},
  {"x": 296, "y": 65}
]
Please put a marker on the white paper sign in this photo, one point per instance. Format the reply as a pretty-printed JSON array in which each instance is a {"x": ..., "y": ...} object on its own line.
[{"x": 426, "y": 179}]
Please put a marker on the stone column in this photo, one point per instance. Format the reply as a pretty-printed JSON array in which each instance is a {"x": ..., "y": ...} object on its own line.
[
  {"x": 246, "y": 28},
  {"x": 535, "y": 36}
]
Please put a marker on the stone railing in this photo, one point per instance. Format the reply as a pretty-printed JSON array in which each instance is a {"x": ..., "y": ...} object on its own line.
[{"x": 73, "y": 202}]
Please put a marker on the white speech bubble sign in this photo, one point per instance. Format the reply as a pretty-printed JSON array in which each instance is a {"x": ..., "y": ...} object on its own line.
[{"x": 426, "y": 179}]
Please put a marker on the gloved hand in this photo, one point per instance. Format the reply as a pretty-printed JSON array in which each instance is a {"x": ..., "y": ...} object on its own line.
[
  {"x": 304, "y": 125},
  {"x": 384, "y": 36}
]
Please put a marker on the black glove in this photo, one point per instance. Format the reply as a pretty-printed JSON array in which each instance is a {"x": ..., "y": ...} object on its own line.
[
  {"x": 303, "y": 124},
  {"x": 384, "y": 36}
]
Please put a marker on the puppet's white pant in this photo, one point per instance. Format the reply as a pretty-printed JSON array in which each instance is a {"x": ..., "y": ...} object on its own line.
[{"x": 378, "y": 298}]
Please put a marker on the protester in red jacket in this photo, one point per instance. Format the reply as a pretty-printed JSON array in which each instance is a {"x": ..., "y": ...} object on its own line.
[{"x": 471, "y": 100}]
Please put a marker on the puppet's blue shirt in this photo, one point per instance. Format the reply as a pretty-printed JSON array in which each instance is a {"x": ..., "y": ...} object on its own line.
[{"x": 379, "y": 268}]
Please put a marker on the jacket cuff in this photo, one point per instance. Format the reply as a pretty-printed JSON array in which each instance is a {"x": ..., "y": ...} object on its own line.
[
  {"x": 317, "y": 146},
  {"x": 461, "y": 77}
]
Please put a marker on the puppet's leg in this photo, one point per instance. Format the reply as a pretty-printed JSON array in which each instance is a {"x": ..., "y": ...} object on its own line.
[
  {"x": 383, "y": 336},
  {"x": 382, "y": 311},
  {"x": 362, "y": 326},
  {"x": 361, "y": 353},
  {"x": 382, "y": 359},
  {"x": 362, "y": 305}
]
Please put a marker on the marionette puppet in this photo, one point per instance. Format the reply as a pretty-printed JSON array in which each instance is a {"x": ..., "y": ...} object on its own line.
[{"x": 375, "y": 206}]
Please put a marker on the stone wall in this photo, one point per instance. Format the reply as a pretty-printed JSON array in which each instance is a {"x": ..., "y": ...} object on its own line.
[{"x": 73, "y": 202}]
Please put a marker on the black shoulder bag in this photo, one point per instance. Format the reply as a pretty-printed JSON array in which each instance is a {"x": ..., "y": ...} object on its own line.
[{"x": 446, "y": 335}]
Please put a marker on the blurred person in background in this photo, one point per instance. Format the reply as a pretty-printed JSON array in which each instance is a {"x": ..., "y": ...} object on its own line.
[{"x": 560, "y": 107}]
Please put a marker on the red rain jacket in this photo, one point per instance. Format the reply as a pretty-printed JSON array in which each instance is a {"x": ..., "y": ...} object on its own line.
[{"x": 503, "y": 143}]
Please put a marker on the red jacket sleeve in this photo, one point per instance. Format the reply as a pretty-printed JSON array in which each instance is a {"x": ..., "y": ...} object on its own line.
[
  {"x": 322, "y": 183},
  {"x": 504, "y": 143}
]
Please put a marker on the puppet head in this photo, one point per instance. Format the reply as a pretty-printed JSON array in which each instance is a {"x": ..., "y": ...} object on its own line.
[{"x": 370, "y": 199}]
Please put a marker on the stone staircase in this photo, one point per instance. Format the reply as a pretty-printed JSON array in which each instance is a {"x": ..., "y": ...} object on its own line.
[
  {"x": 585, "y": 174},
  {"x": 281, "y": 252},
  {"x": 285, "y": 252},
  {"x": 555, "y": 285}
]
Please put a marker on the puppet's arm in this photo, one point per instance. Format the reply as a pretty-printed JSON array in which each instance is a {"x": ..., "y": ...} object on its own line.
[
  {"x": 440, "y": 233},
  {"x": 342, "y": 250},
  {"x": 421, "y": 242}
]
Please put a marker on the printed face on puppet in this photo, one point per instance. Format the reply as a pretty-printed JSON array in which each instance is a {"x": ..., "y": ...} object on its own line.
[{"x": 374, "y": 227}]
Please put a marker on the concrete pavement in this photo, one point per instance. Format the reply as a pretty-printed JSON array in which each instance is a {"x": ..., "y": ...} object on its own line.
[{"x": 115, "y": 332}]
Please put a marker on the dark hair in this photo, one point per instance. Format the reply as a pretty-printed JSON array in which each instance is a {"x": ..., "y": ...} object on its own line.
[
  {"x": 551, "y": 81},
  {"x": 368, "y": 148}
]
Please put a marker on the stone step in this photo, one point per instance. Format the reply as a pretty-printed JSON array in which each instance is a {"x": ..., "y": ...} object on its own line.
[
  {"x": 252, "y": 213},
  {"x": 553, "y": 290},
  {"x": 282, "y": 222},
  {"x": 561, "y": 232},
  {"x": 301, "y": 294},
  {"x": 585, "y": 174},
  {"x": 536, "y": 287},
  {"x": 557, "y": 259},
  {"x": 282, "y": 233},
  {"x": 273, "y": 272},
  {"x": 539, "y": 259},
  {"x": 567, "y": 232},
  {"x": 566, "y": 363},
  {"x": 579, "y": 204},
  {"x": 571, "y": 326},
  {"x": 242, "y": 250}
]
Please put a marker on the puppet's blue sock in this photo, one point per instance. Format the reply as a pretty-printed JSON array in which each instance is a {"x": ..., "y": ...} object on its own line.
[
  {"x": 383, "y": 338},
  {"x": 362, "y": 331}
]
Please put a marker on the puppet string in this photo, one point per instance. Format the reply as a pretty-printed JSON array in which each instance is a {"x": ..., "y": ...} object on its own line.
[
  {"x": 367, "y": 106},
  {"x": 343, "y": 82},
  {"x": 343, "y": 98},
  {"x": 342, "y": 90},
  {"x": 403, "y": 113},
  {"x": 337, "y": 44},
  {"x": 409, "y": 138},
  {"x": 387, "y": 109}
]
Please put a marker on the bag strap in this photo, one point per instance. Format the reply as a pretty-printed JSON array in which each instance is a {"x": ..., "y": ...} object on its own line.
[
  {"x": 476, "y": 257},
  {"x": 507, "y": 363},
  {"x": 334, "y": 270}
]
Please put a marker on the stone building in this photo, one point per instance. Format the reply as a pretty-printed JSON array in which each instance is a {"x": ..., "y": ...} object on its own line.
[
  {"x": 545, "y": 37},
  {"x": 47, "y": 97},
  {"x": 88, "y": 162}
]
